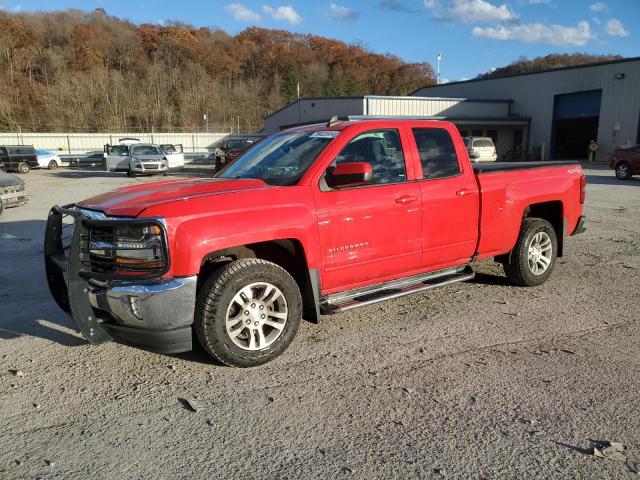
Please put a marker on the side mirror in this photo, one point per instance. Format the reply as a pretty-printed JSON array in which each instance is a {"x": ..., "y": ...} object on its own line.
[{"x": 350, "y": 174}]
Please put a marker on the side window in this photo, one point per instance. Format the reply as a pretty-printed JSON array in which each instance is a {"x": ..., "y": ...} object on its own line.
[
  {"x": 437, "y": 153},
  {"x": 381, "y": 149}
]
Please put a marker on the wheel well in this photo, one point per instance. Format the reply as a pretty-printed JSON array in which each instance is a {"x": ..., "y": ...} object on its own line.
[
  {"x": 286, "y": 253},
  {"x": 552, "y": 212}
]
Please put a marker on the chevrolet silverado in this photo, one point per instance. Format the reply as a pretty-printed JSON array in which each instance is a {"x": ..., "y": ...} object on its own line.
[{"x": 314, "y": 220}]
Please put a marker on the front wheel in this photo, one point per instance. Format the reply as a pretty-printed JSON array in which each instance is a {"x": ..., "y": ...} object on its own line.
[
  {"x": 52, "y": 165},
  {"x": 248, "y": 312},
  {"x": 623, "y": 171},
  {"x": 532, "y": 260},
  {"x": 24, "y": 167},
  {"x": 131, "y": 173}
]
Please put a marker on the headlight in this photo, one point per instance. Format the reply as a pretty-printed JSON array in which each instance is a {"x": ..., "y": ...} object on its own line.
[{"x": 128, "y": 249}]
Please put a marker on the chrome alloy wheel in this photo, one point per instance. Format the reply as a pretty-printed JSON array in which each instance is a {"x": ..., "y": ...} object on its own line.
[
  {"x": 622, "y": 171},
  {"x": 256, "y": 316},
  {"x": 540, "y": 253}
]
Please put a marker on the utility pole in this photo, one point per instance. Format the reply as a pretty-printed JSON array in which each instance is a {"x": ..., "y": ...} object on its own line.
[{"x": 439, "y": 59}]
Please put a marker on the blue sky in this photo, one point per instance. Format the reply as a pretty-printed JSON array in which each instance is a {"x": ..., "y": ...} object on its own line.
[{"x": 472, "y": 35}]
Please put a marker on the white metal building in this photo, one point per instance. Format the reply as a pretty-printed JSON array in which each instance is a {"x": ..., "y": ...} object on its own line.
[
  {"x": 554, "y": 113},
  {"x": 488, "y": 115}
]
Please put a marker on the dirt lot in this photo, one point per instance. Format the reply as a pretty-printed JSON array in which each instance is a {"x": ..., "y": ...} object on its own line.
[{"x": 479, "y": 380}]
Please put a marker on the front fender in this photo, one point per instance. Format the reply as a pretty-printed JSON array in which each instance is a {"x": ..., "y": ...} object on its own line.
[{"x": 213, "y": 223}]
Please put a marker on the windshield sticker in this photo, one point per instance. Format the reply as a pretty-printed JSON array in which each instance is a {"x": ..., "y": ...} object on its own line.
[{"x": 325, "y": 134}]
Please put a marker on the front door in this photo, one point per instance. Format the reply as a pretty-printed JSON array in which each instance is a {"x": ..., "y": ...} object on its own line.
[
  {"x": 450, "y": 200},
  {"x": 371, "y": 232},
  {"x": 117, "y": 157}
]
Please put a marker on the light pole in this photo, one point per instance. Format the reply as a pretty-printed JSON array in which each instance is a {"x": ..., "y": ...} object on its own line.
[{"x": 439, "y": 59}]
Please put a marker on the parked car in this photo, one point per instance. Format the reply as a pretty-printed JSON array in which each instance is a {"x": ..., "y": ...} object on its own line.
[
  {"x": 481, "y": 149},
  {"x": 174, "y": 155},
  {"x": 626, "y": 161},
  {"x": 89, "y": 159},
  {"x": 136, "y": 159},
  {"x": 12, "y": 191},
  {"x": 316, "y": 219},
  {"x": 230, "y": 149},
  {"x": 47, "y": 159},
  {"x": 18, "y": 158}
]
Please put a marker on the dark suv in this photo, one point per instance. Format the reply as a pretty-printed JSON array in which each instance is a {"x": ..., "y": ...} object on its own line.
[
  {"x": 18, "y": 158},
  {"x": 626, "y": 161},
  {"x": 228, "y": 150}
]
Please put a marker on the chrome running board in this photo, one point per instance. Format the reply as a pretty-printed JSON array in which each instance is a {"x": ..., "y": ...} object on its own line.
[{"x": 343, "y": 301}]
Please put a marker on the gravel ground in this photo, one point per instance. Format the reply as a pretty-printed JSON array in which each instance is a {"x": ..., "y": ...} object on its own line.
[{"x": 472, "y": 381}]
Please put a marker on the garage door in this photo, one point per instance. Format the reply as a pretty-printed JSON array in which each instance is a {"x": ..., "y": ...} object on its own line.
[{"x": 575, "y": 123}]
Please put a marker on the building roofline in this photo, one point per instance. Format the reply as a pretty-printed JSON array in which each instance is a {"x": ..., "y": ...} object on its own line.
[{"x": 546, "y": 70}]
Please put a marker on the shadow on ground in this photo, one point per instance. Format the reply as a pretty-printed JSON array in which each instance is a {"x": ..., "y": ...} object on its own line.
[
  {"x": 202, "y": 171},
  {"x": 26, "y": 307},
  {"x": 612, "y": 180}
]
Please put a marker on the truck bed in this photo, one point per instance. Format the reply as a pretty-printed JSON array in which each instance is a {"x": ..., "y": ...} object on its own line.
[{"x": 490, "y": 167}]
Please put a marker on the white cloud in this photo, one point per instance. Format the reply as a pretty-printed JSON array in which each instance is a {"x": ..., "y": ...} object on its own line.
[
  {"x": 471, "y": 11},
  {"x": 286, "y": 13},
  {"x": 242, "y": 13},
  {"x": 615, "y": 28},
  {"x": 597, "y": 7},
  {"x": 337, "y": 12},
  {"x": 558, "y": 35}
]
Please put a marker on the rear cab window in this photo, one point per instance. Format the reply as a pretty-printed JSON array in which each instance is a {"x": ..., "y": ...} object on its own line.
[{"x": 437, "y": 153}]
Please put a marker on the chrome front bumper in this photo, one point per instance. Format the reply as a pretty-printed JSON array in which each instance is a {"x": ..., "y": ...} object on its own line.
[{"x": 166, "y": 304}]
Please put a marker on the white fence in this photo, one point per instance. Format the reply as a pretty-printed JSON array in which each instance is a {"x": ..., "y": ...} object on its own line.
[{"x": 78, "y": 143}]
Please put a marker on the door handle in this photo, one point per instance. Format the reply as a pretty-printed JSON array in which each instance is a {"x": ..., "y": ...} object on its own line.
[
  {"x": 407, "y": 199},
  {"x": 463, "y": 192}
]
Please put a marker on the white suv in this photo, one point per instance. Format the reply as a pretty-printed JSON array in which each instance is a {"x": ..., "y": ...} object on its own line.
[{"x": 481, "y": 149}]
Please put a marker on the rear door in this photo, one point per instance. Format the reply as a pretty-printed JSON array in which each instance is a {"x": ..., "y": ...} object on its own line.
[
  {"x": 450, "y": 197},
  {"x": 372, "y": 232}
]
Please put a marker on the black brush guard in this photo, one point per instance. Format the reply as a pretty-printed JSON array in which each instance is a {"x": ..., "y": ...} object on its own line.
[{"x": 71, "y": 294}]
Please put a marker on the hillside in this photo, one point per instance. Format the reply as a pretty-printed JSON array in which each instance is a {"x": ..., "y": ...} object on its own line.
[
  {"x": 78, "y": 71},
  {"x": 554, "y": 60}
]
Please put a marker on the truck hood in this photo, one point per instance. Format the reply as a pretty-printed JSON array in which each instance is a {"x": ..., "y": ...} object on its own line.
[{"x": 131, "y": 201}]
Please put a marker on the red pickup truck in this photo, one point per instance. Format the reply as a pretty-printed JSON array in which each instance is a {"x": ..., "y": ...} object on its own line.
[{"x": 315, "y": 219}]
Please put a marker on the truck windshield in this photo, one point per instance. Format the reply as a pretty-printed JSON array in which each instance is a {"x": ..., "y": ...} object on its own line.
[{"x": 281, "y": 159}]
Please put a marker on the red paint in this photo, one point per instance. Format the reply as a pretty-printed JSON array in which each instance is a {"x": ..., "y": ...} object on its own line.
[{"x": 357, "y": 236}]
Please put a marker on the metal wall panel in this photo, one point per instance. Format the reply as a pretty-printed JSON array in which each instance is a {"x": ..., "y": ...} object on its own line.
[
  {"x": 309, "y": 110},
  {"x": 533, "y": 96},
  {"x": 434, "y": 107}
]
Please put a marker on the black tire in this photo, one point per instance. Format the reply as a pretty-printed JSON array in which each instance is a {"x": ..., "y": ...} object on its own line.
[
  {"x": 131, "y": 173},
  {"x": 23, "y": 167},
  {"x": 218, "y": 164},
  {"x": 516, "y": 264},
  {"x": 216, "y": 296},
  {"x": 623, "y": 171},
  {"x": 52, "y": 165},
  {"x": 1, "y": 206}
]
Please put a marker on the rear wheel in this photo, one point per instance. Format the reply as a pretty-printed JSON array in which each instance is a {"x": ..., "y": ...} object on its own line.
[
  {"x": 248, "y": 312},
  {"x": 23, "y": 167},
  {"x": 623, "y": 171},
  {"x": 532, "y": 260},
  {"x": 52, "y": 165}
]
